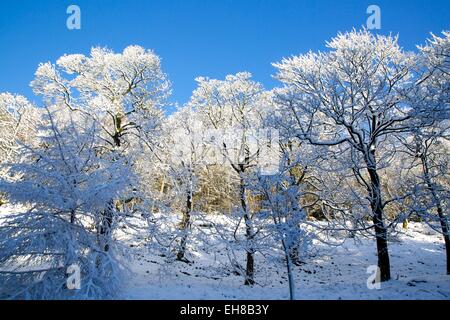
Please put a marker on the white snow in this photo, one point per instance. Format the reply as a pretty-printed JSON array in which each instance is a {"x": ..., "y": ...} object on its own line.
[{"x": 417, "y": 260}]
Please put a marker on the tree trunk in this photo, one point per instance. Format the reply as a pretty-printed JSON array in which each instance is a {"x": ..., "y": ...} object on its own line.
[
  {"x": 377, "y": 218},
  {"x": 445, "y": 231},
  {"x": 289, "y": 271},
  {"x": 161, "y": 193},
  {"x": 293, "y": 250},
  {"x": 295, "y": 256},
  {"x": 72, "y": 216},
  {"x": 106, "y": 225},
  {"x": 106, "y": 217},
  {"x": 116, "y": 139},
  {"x": 442, "y": 217},
  {"x": 117, "y": 129},
  {"x": 184, "y": 226},
  {"x": 249, "y": 272}
]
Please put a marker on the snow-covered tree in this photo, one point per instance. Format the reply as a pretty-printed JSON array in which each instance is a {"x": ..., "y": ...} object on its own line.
[
  {"x": 233, "y": 106},
  {"x": 428, "y": 144},
  {"x": 187, "y": 148},
  {"x": 281, "y": 205},
  {"x": 64, "y": 184},
  {"x": 18, "y": 121},
  {"x": 351, "y": 99},
  {"x": 122, "y": 91}
]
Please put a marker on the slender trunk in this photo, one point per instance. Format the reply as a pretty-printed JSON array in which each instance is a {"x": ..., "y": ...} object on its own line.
[
  {"x": 163, "y": 184},
  {"x": 184, "y": 226},
  {"x": 116, "y": 139},
  {"x": 377, "y": 218},
  {"x": 295, "y": 256},
  {"x": 161, "y": 192},
  {"x": 288, "y": 260},
  {"x": 117, "y": 129},
  {"x": 72, "y": 216},
  {"x": 289, "y": 271},
  {"x": 442, "y": 217},
  {"x": 106, "y": 216},
  {"x": 106, "y": 225},
  {"x": 249, "y": 272},
  {"x": 293, "y": 250},
  {"x": 445, "y": 231}
]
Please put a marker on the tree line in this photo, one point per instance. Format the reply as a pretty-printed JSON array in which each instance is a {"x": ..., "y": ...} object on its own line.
[{"x": 359, "y": 144}]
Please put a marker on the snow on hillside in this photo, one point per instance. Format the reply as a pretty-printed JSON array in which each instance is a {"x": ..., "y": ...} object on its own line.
[
  {"x": 418, "y": 269},
  {"x": 417, "y": 259}
]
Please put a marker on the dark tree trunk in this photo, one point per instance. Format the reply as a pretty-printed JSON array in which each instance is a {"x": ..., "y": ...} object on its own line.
[
  {"x": 105, "y": 225},
  {"x": 249, "y": 272},
  {"x": 184, "y": 226},
  {"x": 445, "y": 231},
  {"x": 118, "y": 130},
  {"x": 288, "y": 259},
  {"x": 107, "y": 215},
  {"x": 294, "y": 253},
  {"x": 377, "y": 218},
  {"x": 295, "y": 257},
  {"x": 442, "y": 217},
  {"x": 382, "y": 246},
  {"x": 72, "y": 216},
  {"x": 116, "y": 139}
]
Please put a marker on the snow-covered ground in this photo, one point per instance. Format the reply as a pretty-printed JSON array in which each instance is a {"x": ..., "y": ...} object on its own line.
[
  {"x": 335, "y": 272},
  {"x": 417, "y": 261}
]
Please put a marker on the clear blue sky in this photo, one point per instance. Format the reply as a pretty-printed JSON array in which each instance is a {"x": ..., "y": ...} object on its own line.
[{"x": 197, "y": 37}]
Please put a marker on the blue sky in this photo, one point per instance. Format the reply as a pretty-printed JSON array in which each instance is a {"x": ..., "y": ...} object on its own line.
[{"x": 197, "y": 37}]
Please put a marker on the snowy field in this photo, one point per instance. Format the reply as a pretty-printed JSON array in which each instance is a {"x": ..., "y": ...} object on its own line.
[
  {"x": 333, "y": 272},
  {"x": 417, "y": 260}
]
